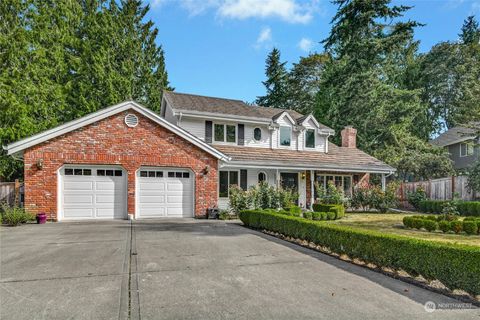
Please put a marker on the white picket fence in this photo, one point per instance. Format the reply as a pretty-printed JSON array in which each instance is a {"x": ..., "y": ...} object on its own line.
[{"x": 439, "y": 189}]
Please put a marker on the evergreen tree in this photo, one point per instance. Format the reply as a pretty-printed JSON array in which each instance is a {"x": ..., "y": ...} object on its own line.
[
  {"x": 63, "y": 59},
  {"x": 304, "y": 81},
  {"x": 367, "y": 83},
  {"x": 276, "y": 83},
  {"x": 470, "y": 31}
]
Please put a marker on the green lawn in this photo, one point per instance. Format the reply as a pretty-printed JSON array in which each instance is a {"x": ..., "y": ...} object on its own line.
[{"x": 392, "y": 223}]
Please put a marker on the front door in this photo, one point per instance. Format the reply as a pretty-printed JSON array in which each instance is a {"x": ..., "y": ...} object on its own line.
[{"x": 289, "y": 180}]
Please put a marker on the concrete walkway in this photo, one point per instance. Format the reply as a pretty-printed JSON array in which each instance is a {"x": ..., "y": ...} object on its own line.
[{"x": 190, "y": 269}]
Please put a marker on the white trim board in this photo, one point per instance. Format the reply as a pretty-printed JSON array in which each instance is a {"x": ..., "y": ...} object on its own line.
[{"x": 105, "y": 113}]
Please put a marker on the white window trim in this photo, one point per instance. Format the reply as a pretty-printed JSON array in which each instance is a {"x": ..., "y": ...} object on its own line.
[
  {"x": 325, "y": 175},
  {"x": 261, "y": 134},
  {"x": 467, "y": 145},
  {"x": 280, "y": 135},
  {"x": 266, "y": 176},
  {"x": 225, "y": 132},
  {"x": 314, "y": 139},
  {"x": 228, "y": 190}
]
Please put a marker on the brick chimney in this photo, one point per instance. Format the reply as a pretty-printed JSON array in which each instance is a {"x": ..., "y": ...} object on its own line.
[{"x": 349, "y": 137}]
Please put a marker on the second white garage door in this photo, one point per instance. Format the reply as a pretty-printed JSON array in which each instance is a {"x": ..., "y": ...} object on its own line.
[{"x": 165, "y": 193}]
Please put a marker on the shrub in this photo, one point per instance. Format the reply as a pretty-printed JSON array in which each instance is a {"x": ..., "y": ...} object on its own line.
[
  {"x": 470, "y": 227},
  {"x": 417, "y": 223},
  {"x": 456, "y": 226},
  {"x": 415, "y": 197},
  {"x": 294, "y": 210},
  {"x": 261, "y": 196},
  {"x": 331, "y": 194},
  {"x": 316, "y": 215},
  {"x": 430, "y": 225},
  {"x": 444, "y": 226},
  {"x": 339, "y": 209},
  {"x": 308, "y": 215},
  {"x": 238, "y": 199},
  {"x": 331, "y": 215},
  {"x": 464, "y": 208},
  {"x": 455, "y": 265},
  {"x": 408, "y": 221},
  {"x": 13, "y": 216},
  {"x": 324, "y": 215},
  {"x": 368, "y": 197}
]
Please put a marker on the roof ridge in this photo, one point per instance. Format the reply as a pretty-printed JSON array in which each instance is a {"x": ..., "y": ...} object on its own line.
[{"x": 203, "y": 96}]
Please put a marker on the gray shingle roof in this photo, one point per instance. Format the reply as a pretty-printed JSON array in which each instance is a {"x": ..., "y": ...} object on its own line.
[
  {"x": 455, "y": 135},
  {"x": 197, "y": 103},
  {"x": 337, "y": 158}
]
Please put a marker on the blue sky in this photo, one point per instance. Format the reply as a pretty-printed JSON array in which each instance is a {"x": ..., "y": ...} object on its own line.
[{"x": 218, "y": 47}]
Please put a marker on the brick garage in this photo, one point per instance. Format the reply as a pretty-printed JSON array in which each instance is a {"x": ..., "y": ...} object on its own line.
[{"x": 110, "y": 141}]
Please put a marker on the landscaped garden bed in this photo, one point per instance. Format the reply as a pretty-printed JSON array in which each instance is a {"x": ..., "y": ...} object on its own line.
[{"x": 454, "y": 265}]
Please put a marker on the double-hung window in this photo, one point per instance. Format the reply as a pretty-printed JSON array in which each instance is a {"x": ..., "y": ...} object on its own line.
[
  {"x": 285, "y": 136},
  {"x": 310, "y": 138},
  {"x": 225, "y": 133},
  {"x": 466, "y": 149},
  {"x": 226, "y": 179}
]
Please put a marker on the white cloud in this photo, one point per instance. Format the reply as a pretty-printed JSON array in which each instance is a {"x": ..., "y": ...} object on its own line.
[
  {"x": 288, "y": 10},
  {"x": 264, "y": 39},
  {"x": 305, "y": 44},
  {"x": 292, "y": 11}
]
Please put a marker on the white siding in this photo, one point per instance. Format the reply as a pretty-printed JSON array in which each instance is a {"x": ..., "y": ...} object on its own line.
[
  {"x": 284, "y": 121},
  {"x": 169, "y": 116},
  {"x": 251, "y": 142},
  {"x": 319, "y": 140},
  {"x": 193, "y": 125}
]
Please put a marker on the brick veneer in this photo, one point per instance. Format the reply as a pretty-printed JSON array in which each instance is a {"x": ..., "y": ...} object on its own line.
[{"x": 111, "y": 142}]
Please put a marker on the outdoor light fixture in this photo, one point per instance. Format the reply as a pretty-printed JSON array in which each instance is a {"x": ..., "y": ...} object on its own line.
[
  {"x": 39, "y": 164},
  {"x": 206, "y": 170},
  {"x": 303, "y": 175}
]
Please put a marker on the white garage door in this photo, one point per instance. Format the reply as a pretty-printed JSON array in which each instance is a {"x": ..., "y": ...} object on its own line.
[
  {"x": 93, "y": 192},
  {"x": 164, "y": 193}
]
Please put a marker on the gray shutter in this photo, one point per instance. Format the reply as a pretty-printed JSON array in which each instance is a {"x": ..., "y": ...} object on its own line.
[
  {"x": 243, "y": 179},
  {"x": 208, "y": 131},
  {"x": 241, "y": 134}
]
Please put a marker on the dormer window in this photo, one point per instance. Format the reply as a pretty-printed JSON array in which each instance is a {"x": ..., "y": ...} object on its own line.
[
  {"x": 225, "y": 133},
  {"x": 285, "y": 136},
  {"x": 310, "y": 138}
]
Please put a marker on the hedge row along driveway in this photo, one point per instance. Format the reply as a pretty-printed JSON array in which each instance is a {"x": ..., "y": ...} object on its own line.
[{"x": 456, "y": 266}]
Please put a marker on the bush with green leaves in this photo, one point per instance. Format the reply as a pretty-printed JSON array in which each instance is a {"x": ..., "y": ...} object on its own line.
[
  {"x": 473, "y": 181},
  {"x": 455, "y": 265},
  {"x": 330, "y": 195},
  {"x": 444, "y": 225},
  {"x": 456, "y": 226},
  {"x": 373, "y": 197},
  {"x": 308, "y": 215},
  {"x": 339, "y": 209},
  {"x": 261, "y": 196},
  {"x": 470, "y": 227},
  {"x": 13, "y": 216},
  {"x": 464, "y": 208},
  {"x": 416, "y": 197},
  {"x": 430, "y": 225}
]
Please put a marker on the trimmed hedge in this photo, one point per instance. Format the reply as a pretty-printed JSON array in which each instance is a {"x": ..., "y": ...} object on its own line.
[
  {"x": 466, "y": 208},
  {"x": 471, "y": 225},
  {"x": 454, "y": 265},
  {"x": 338, "y": 209}
]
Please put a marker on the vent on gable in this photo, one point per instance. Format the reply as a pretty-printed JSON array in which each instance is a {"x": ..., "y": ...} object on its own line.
[{"x": 131, "y": 120}]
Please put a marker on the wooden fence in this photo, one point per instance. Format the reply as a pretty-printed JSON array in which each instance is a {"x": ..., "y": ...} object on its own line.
[
  {"x": 439, "y": 189},
  {"x": 11, "y": 193}
]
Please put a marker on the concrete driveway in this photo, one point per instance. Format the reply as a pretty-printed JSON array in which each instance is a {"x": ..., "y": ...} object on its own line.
[{"x": 190, "y": 269}]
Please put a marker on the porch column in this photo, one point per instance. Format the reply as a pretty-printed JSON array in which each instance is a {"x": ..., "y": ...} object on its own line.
[
  {"x": 277, "y": 176},
  {"x": 312, "y": 190},
  {"x": 384, "y": 182}
]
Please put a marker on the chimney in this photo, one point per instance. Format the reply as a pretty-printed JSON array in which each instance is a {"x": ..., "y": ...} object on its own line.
[{"x": 349, "y": 137}]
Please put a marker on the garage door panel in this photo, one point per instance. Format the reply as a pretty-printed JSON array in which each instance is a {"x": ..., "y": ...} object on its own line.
[
  {"x": 168, "y": 194},
  {"x": 92, "y": 196},
  {"x": 78, "y": 213},
  {"x": 73, "y": 199},
  {"x": 77, "y": 185}
]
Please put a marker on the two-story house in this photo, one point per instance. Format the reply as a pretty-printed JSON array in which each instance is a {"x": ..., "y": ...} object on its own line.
[
  {"x": 462, "y": 144},
  {"x": 280, "y": 146},
  {"x": 127, "y": 160}
]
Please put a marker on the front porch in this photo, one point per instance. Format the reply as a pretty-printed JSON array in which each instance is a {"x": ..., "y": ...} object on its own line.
[{"x": 299, "y": 180}]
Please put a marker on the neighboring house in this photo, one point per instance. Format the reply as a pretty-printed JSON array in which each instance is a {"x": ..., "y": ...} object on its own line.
[
  {"x": 128, "y": 159},
  {"x": 462, "y": 144}
]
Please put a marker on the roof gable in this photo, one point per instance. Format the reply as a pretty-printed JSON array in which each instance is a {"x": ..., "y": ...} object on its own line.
[
  {"x": 105, "y": 113},
  {"x": 455, "y": 135}
]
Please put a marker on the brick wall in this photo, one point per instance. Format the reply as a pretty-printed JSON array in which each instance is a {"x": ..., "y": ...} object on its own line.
[{"x": 111, "y": 142}]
